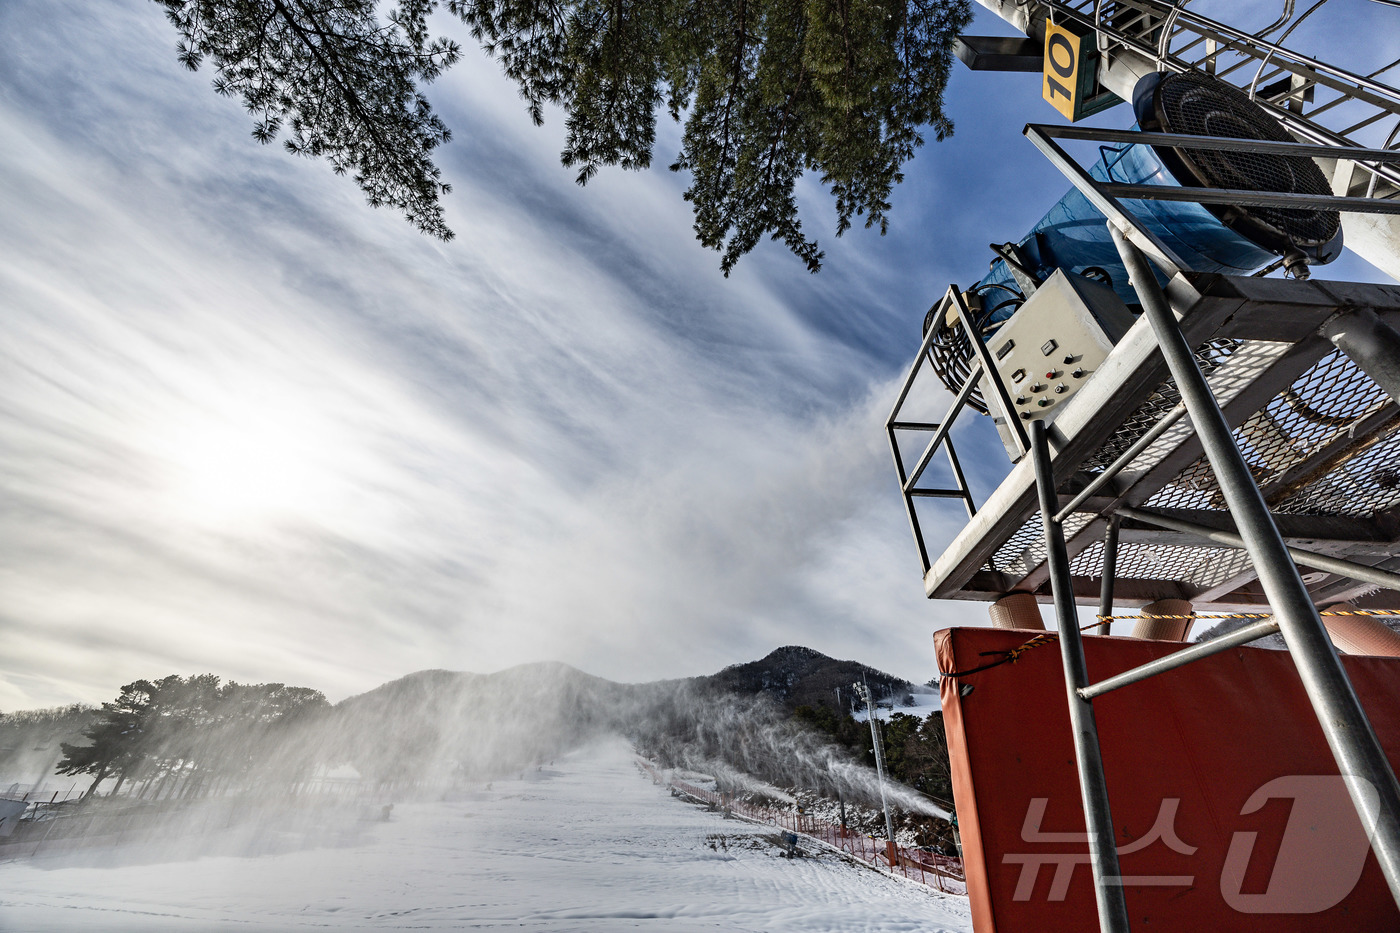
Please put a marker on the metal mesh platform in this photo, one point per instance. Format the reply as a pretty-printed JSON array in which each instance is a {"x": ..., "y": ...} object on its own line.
[{"x": 1322, "y": 439}]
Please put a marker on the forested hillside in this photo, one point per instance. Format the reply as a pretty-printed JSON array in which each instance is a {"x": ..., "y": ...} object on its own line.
[{"x": 784, "y": 719}]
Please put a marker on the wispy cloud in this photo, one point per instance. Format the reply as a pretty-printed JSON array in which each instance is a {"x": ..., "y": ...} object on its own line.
[{"x": 250, "y": 426}]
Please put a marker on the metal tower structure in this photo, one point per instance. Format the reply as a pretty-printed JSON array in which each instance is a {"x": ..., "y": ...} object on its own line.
[{"x": 1242, "y": 428}]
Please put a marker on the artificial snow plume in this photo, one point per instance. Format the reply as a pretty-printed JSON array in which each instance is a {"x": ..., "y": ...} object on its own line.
[
  {"x": 695, "y": 727},
  {"x": 857, "y": 782},
  {"x": 730, "y": 780},
  {"x": 443, "y": 727},
  {"x": 220, "y": 766},
  {"x": 201, "y": 738},
  {"x": 31, "y": 742},
  {"x": 906, "y": 798},
  {"x": 588, "y": 844}
]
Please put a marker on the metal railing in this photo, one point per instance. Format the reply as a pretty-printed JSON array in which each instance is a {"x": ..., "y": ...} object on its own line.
[
  {"x": 1105, "y": 196},
  {"x": 1315, "y": 100},
  {"x": 982, "y": 371}
]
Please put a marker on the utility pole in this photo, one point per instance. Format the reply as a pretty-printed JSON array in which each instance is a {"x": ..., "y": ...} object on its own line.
[{"x": 863, "y": 691}]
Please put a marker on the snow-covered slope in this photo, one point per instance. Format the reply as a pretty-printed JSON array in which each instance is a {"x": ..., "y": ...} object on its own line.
[{"x": 585, "y": 844}]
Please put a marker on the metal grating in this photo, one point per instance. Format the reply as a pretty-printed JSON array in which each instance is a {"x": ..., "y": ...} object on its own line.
[
  {"x": 1322, "y": 408},
  {"x": 1025, "y": 550},
  {"x": 1210, "y": 357},
  {"x": 1365, "y": 484},
  {"x": 1195, "y": 488},
  {"x": 1198, "y": 566},
  {"x": 1324, "y": 405}
]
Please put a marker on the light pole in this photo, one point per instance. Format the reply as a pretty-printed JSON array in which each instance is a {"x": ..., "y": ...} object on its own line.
[{"x": 863, "y": 691}]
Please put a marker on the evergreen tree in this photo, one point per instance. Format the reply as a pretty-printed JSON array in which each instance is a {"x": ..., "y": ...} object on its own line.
[
  {"x": 341, "y": 83},
  {"x": 184, "y": 734},
  {"x": 114, "y": 740},
  {"x": 767, "y": 90}
]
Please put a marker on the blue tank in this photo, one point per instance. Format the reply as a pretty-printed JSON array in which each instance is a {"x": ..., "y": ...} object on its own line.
[{"x": 1074, "y": 236}]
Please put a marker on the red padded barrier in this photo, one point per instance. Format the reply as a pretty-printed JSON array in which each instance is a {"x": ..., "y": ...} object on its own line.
[{"x": 1227, "y": 805}]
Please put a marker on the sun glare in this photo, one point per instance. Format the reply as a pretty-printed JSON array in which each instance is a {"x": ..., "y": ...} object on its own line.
[
  {"x": 236, "y": 472},
  {"x": 242, "y": 470}
]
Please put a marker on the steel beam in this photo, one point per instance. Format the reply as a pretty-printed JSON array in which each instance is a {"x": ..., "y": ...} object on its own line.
[
  {"x": 998, "y": 399},
  {"x": 893, "y": 420},
  {"x": 1372, "y": 345},
  {"x": 1227, "y": 143},
  {"x": 1246, "y": 197},
  {"x": 999, "y": 53},
  {"x": 990, "y": 585},
  {"x": 945, "y": 426},
  {"x": 1375, "y": 535},
  {"x": 1128, "y": 456},
  {"x": 1241, "y": 636},
  {"x": 1103, "y": 850},
  {"x": 1094, "y": 193},
  {"x": 1110, "y": 568},
  {"x": 959, "y": 477}
]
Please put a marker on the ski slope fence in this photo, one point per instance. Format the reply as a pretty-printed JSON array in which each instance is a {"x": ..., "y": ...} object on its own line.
[{"x": 940, "y": 872}]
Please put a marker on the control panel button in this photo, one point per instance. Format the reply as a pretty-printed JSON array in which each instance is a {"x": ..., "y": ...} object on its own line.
[
  {"x": 1045, "y": 402},
  {"x": 1038, "y": 387},
  {"x": 1053, "y": 374},
  {"x": 1061, "y": 388},
  {"x": 1078, "y": 374}
]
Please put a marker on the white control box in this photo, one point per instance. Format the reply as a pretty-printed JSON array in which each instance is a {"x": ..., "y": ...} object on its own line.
[{"x": 1049, "y": 348}]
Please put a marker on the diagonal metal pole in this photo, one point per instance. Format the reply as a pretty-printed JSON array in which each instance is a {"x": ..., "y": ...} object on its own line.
[
  {"x": 1103, "y": 851},
  {"x": 1353, "y": 741}
]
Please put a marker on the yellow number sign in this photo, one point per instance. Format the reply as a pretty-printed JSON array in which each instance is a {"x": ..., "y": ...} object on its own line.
[{"x": 1063, "y": 60}]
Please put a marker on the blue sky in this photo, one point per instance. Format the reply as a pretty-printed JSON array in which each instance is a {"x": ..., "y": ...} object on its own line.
[{"x": 249, "y": 425}]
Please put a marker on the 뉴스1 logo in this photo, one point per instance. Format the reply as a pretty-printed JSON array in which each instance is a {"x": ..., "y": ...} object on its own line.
[{"x": 1318, "y": 863}]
